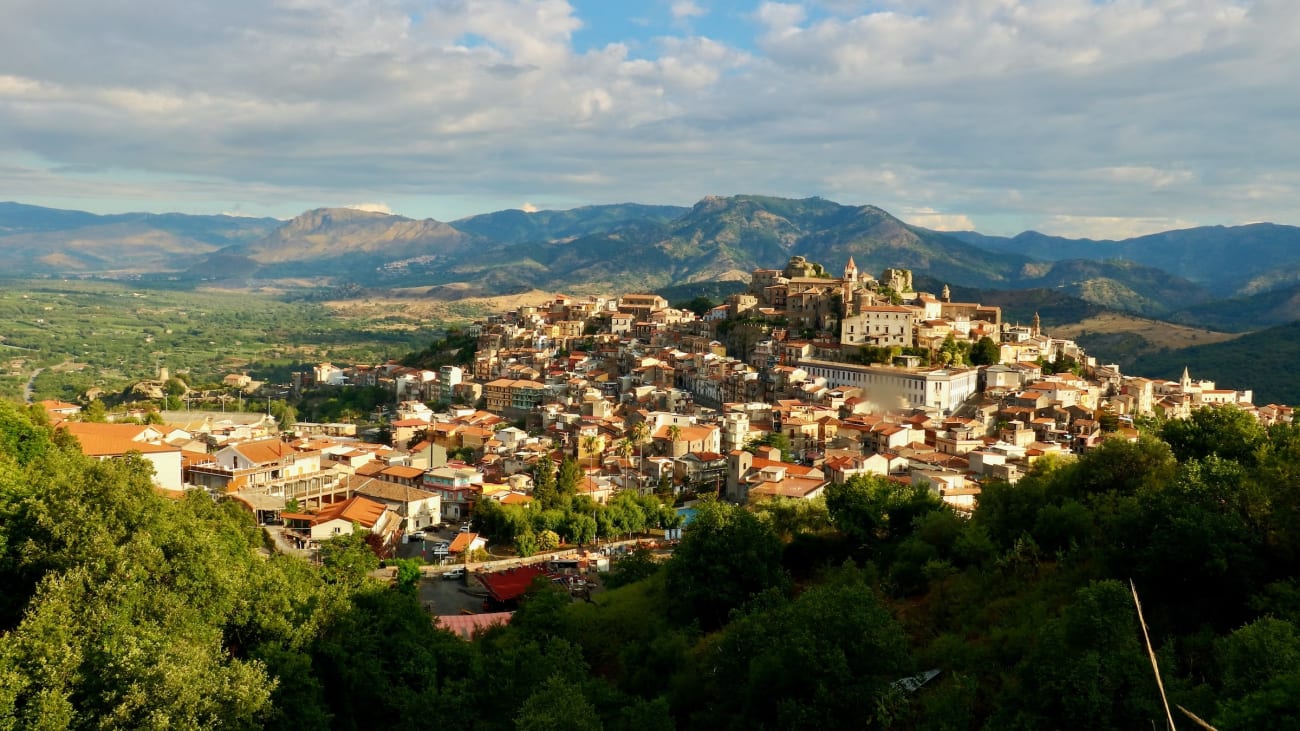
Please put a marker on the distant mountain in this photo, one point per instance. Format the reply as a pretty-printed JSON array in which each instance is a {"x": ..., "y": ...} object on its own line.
[
  {"x": 36, "y": 240},
  {"x": 618, "y": 247},
  {"x": 1228, "y": 259},
  {"x": 351, "y": 244},
  {"x": 520, "y": 227},
  {"x": 726, "y": 238}
]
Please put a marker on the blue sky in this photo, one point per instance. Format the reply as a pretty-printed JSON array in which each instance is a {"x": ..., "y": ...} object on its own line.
[{"x": 1076, "y": 117}]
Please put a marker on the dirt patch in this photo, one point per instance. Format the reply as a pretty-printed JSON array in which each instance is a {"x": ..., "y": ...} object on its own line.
[{"x": 1159, "y": 335}]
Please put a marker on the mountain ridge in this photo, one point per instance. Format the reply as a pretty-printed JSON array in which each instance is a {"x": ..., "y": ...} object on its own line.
[{"x": 630, "y": 246}]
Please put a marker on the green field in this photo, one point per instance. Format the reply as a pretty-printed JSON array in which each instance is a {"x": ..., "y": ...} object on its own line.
[{"x": 109, "y": 334}]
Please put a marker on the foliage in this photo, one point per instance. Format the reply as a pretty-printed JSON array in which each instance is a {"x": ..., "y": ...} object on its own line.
[
  {"x": 125, "y": 609},
  {"x": 727, "y": 557}
]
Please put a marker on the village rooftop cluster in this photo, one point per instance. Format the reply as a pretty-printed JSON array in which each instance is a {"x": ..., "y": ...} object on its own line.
[{"x": 851, "y": 375}]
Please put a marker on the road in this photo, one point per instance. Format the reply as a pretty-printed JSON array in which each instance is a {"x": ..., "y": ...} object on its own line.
[{"x": 30, "y": 389}]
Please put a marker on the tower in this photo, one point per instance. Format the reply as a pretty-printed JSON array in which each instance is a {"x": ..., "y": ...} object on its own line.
[
  {"x": 850, "y": 271},
  {"x": 1037, "y": 325},
  {"x": 946, "y": 295}
]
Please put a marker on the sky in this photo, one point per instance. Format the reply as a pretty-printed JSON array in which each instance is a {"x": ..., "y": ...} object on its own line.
[{"x": 1096, "y": 118}]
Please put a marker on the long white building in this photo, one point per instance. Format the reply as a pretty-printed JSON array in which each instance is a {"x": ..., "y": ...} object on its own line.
[{"x": 942, "y": 389}]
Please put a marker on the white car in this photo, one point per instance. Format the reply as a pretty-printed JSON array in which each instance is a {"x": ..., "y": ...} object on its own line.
[{"x": 454, "y": 574}]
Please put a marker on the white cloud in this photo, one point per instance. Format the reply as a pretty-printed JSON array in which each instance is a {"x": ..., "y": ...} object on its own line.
[
  {"x": 685, "y": 9},
  {"x": 371, "y": 207},
  {"x": 1074, "y": 111},
  {"x": 529, "y": 208},
  {"x": 934, "y": 220},
  {"x": 1110, "y": 227}
]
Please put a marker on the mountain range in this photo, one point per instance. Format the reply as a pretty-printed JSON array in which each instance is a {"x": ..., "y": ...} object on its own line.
[
  {"x": 1220, "y": 276},
  {"x": 1228, "y": 279}
]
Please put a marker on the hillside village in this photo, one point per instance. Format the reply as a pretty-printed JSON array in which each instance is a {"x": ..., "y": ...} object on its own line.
[{"x": 826, "y": 378}]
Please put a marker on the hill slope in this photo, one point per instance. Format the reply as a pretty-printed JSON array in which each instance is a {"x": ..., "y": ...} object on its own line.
[{"x": 1236, "y": 259}]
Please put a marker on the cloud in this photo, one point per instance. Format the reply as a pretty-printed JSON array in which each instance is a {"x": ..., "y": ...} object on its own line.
[
  {"x": 1019, "y": 112},
  {"x": 936, "y": 221},
  {"x": 529, "y": 208},
  {"x": 371, "y": 208},
  {"x": 685, "y": 9},
  {"x": 1110, "y": 227}
]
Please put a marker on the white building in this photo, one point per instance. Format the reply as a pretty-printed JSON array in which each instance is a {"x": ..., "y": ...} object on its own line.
[{"x": 940, "y": 389}]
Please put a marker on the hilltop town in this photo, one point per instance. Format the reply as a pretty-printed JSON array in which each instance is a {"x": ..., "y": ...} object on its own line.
[{"x": 804, "y": 380}]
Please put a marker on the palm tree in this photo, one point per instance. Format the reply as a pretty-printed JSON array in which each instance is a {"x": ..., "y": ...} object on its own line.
[
  {"x": 638, "y": 433},
  {"x": 674, "y": 433},
  {"x": 625, "y": 451},
  {"x": 590, "y": 444}
]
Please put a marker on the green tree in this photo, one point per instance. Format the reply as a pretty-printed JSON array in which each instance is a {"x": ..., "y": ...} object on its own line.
[
  {"x": 558, "y": 705},
  {"x": 347, "y": 559},
  {"x": 544, "y": 490},
  {"x": 408, "y": 575},
  {"x": 95, "y": 412},
  {"x": 873, "y": 510},
  {"x": 826, "y": 660},
  {"x": 726, "y": 557},
  {"x": 569, "y": 478},
  {"x": 635, "y": 566},
  {"x": 1225, "y": 431},
  {"x": 548, "y": 540},
  {"x": 526, "y": 543},
  {"x": 985, "y": 352}
]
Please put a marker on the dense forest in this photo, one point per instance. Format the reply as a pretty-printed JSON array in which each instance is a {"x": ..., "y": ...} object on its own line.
[{"x": 123, "y": 608}]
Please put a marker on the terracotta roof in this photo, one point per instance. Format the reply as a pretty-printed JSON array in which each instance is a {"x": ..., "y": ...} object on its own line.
[
  {"x": 112, "y": 440},
  {"x": 402, "y": 472},
  {"x": 385, "y": 490},
  {"x": 371, "y": 469},
  {"x": 264, "y": 451},
  {"x": 462, "y": 542},
  {"x": 467, "y": 625},
  {"x": 362, "y": 510}
]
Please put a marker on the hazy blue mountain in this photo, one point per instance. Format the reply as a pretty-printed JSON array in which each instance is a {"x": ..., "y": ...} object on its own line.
[
  {"x": 1229, "y": 259},
  {"x": 36, "y": 240}
]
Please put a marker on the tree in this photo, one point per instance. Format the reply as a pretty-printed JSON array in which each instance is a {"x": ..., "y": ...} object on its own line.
[
  {"x": 526, "y": 543},
  {"x": 1226, "y": 431},
  {"x": 347, "y": 559},
  {"x": 408, "y": 575},
  {"x": 569, "y": 478},
  {"x": 873, "y": 510},
  {"x": 592, "y": 445},
  {"x": 558, "y": 705},
  {"x": 544, "y": 491},
  {"x": 674, "y": 433},
  {"x": 826, "y": 660},
  {"x": 633, "y": 567},
  {"x": 700, "y": 305},
  {"x": 985, "y": 352},
  {"x": 548, "y": 540},
  {"x": 95, "y": 412},
  {"x": 726, "y": 557}
]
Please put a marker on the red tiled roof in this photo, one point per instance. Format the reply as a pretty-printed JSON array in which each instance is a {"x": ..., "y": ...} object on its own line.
[{"x": 504, "y": 586}]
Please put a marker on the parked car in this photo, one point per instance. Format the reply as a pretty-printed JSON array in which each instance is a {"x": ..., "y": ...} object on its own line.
[
  {"x": 464, "y": 528},
  {"x": 454, "y": 574}
]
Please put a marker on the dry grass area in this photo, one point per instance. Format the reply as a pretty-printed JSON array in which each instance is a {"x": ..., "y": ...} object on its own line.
[
  {"x": 417, "y": 308},
  {"x": 1159, "y": 335}
]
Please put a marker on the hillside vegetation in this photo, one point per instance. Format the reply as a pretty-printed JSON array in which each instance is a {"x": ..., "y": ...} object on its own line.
[{"x": 126, "y": 609}]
